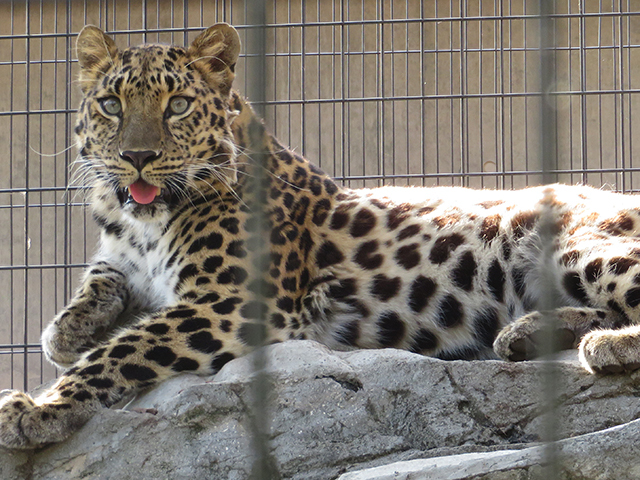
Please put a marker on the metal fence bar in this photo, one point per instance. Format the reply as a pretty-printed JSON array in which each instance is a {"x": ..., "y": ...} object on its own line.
[
  {"x": 550, "y": 381},
  {"x": 264, "y": 467}
]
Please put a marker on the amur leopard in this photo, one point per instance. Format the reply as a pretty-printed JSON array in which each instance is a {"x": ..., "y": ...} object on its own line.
[{"x": 214, "y": 235}]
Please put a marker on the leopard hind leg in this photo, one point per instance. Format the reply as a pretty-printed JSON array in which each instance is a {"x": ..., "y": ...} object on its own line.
[
  {"x": 601, "y": 278},
  {"x": 611, "y": 351},
  {"x": 525, "y": 338}
]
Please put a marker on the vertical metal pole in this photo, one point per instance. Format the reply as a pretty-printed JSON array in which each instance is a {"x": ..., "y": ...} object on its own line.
[
  {"x": 68, "y": 159},
  {"x": 12, "y": 253},
  {"x": 583, "y": 98},
  {"x": 548, "y": 299},
  {"x": 264, "y": 467},
  {"x": 41, "y": 207},
  {"x": 464, "y": 182},
  {"x": 547, "y": 84},
  {"x": 27, "y": 197},
  {"x": 627, "y": 131},
  {"x": 626, "y": 180}
]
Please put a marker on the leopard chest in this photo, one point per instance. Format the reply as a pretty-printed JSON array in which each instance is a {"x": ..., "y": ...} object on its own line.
[{"x": 141, "y": 253}]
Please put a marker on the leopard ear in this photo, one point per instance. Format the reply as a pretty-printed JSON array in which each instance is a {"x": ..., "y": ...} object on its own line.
[
  {"x": 215, "y": 51},
  {"x": 94, "y": 47}
]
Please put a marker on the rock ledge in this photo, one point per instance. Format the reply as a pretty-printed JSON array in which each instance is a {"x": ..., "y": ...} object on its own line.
[{"x": 385, "y": 414}]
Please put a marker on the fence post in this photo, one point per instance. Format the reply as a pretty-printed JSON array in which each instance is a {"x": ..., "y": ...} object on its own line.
[
  {"x": 264, "y": 467},
  {"x": 548, "y": 296}
]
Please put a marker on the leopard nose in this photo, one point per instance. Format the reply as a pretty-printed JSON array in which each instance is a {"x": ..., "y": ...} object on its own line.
[{"x": 139, "y": 158}]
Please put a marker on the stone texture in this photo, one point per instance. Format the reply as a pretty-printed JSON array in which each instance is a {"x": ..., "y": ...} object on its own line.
[
  {"x": 338, "y": 412},
  {"x": 609, "y": 454}
]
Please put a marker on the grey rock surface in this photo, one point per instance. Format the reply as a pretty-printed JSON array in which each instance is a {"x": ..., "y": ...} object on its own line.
[
  {"x": 608, "y": 454},
  {"x": 335, "y": 413}
]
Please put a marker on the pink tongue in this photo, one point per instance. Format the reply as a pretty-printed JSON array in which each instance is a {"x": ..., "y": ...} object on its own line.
[{"x": 142, "y": 192}]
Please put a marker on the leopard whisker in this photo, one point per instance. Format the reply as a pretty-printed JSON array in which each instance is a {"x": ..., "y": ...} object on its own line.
[{"x": 53, "y": 154}]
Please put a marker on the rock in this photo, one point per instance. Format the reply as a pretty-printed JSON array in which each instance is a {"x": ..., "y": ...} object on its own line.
[
  {"x": 609, "y": 454},
  {"x": 336, "y": 412}
]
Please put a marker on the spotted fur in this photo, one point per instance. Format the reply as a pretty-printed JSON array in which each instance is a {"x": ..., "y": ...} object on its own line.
[{"x": 215, "y": 238}]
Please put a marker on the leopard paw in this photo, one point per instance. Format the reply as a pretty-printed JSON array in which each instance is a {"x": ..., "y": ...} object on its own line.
[
  {"x": 611, "y": 351},
  {"x": 28, "y": 424},
  {"x": 523, "y": 339},
  {"x": 64, "y": 348},
  {"x": 14, "y": 406}
]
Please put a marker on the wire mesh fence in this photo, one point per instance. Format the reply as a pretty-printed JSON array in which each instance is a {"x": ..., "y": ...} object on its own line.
[{"x": 375, "y": 92}]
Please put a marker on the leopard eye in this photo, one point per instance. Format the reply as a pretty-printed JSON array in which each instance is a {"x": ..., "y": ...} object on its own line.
[
  {"x": 179, "y": 105},
  {"x": 111, "y": 105}
]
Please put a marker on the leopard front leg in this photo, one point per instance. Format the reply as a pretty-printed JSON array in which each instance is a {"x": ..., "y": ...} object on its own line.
[
  {"x": 96, "y": 305},
  {"x": 183, "y": 338},
  {"x": 522, "y": 339}
]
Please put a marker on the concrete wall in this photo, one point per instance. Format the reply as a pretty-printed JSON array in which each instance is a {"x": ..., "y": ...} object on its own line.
[{"x": 403, "y": 92}]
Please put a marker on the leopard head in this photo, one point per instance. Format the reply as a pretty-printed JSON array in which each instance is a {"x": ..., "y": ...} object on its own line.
[{"x": 153, "y": 126}]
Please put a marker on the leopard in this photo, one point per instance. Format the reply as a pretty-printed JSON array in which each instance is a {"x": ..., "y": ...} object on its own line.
[{"x": 215, "y": 240}]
